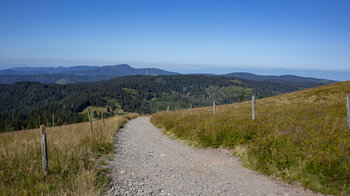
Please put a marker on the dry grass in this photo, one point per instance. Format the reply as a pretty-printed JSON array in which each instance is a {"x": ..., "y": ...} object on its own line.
[
  {"x": 74, "y": 159},
  {"x": 300, "y": 137}
]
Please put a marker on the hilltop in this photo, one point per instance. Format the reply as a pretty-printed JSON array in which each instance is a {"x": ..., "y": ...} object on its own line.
[{"x": 299, "y": 137}]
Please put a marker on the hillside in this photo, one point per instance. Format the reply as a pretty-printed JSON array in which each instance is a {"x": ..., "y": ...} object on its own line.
[
  {"x": 74, "y": 159},
  {"x": 299, "y": 137},
  {"x": 26, "y": 104}
]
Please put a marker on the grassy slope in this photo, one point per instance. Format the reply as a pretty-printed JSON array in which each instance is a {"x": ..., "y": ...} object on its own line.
[
  {"x": 74, "y": 159},
  {"x": 300, "y": 136}
]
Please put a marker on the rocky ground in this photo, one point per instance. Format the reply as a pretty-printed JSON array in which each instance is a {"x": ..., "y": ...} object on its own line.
[{"x": 149, "y": 163}]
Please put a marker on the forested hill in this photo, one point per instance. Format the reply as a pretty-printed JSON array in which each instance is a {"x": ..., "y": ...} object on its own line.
[{"x": 28, "y": 104}]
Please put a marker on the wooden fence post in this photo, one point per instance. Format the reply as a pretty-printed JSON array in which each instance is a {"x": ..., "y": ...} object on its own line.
[
  {"x": 103, "y": 119},
  {"x": 90, "y": 122},
  {"x": 167, "y": 108},
  {"x": 44, "y": 149},
  {"x": 214, "y": 108},
  {"x": 191, "y": 108},
  {"x": 253, "y": 107},
  {"x": 53, "y": 120},
  {"x": 39, "y": 120},
  {"x": 348, "y": 108}
]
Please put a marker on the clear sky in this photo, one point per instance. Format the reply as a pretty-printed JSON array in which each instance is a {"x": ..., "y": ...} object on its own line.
[{"x": 177, "y": 34}]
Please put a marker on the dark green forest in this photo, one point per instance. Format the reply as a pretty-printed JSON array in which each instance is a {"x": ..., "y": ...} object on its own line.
[{"x": 25, "y": 105}]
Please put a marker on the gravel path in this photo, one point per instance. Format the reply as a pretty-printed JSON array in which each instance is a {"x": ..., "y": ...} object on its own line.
[{"x": 149, "y": 163}]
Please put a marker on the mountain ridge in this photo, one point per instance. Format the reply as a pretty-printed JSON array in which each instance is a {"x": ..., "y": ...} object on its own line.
[
  {"x": 75, "y": 74},
  {"x": 287, "y": 77},
  {"x": 82, "y": 73},
  {"x": 82, "y": 69}
]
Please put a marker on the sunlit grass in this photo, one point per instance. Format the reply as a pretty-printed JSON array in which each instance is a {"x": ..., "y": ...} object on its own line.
[
  {"x": 74, "y": 159},
  {"x": 300, "y": 137}
]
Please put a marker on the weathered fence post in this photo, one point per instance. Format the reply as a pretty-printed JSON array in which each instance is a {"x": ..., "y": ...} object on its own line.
[
  {"x": 214, "y": 108},
  {"x": 348, "y": 107},
  {"x": 103, "y": 119},
  {"x": 90, "y": 122},
  {"x": 53, "y": 120},
  {"x": 253, "y": 107},
  {"x": 44, "y": 149},
  {"x": 191, "y": 108},
  {"x": 39, "y": 120},
  {"x": 167, "y": 108}
]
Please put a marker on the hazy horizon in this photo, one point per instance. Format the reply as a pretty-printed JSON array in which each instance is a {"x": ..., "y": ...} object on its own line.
[{"x": 207, "y": 69}]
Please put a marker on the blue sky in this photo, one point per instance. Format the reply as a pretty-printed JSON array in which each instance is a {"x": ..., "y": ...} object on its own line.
[{"x": 178, "y": 35}]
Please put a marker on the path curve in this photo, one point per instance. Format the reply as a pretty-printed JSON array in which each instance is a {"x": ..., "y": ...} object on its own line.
[{"x": 149, "y": 163}]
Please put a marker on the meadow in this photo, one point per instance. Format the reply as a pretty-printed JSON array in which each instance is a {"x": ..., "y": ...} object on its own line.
[
  {"x": 300, "y": 137},
  {"x": 75, "y": 159}
]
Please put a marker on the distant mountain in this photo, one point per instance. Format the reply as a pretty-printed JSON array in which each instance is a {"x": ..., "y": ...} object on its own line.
[
  {"x": 285, "y": 78},
  {"x": 52, "y": 78},
  {"x": 108, "y": 70},
  {"x": 66, "y": 75},
  {"x": 126, "y": 70},
  {"x": 46, "y": 70}
]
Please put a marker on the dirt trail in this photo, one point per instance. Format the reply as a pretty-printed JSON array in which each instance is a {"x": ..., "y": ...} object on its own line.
[{"x": 149, "y": 163}]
